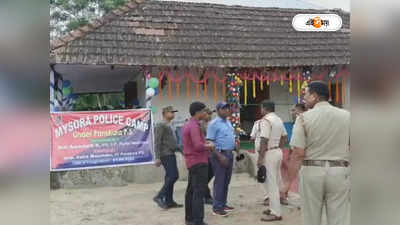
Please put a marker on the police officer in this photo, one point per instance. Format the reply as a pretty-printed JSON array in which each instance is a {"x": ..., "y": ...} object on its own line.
[{"x": 320, "y": 144}]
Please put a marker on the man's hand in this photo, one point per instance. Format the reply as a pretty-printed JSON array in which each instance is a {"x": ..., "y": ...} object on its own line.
[
  {"x": 210, "y": 145},
  {"x": 158, "y": 163}
]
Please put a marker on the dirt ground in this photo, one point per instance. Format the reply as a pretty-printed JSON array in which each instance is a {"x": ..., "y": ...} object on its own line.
[{"x": 133, "y": 205}]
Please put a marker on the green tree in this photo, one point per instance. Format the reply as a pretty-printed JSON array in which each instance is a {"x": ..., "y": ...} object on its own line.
[{"x": 67, "y": 15}]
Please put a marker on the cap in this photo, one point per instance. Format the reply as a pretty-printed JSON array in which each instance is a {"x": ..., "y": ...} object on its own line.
[
  {"x": 221, "y": 105},
  {"x": 169, "y": 109}
]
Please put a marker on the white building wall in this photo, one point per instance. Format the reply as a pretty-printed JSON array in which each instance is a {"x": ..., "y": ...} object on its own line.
[{"x": 283, "y": 100}]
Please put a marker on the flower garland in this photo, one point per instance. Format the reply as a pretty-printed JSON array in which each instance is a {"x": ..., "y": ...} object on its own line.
[{"x": 234, "y": 84}]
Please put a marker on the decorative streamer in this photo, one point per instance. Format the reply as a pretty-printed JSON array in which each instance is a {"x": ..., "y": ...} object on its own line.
[
  {"x": 198, "y": 91},
  {"x": 215, "y": 90},
  {"x": 343, "y": 90},
  {"x": 262, "y": 83},
  {"x": 188, "y": 84},
  {"x": 330, "y": 89},
  {"x": 282, "y": 79},
  {"x": 298, "y": 88},
  {"x": 245, "y": 92},
  {"x": 254, "y": 86},
  {"x": 205, "y": 88},
  {"x": 337, "y": 90},
  {"x": 268, "y": 80},
  {"x": 169, "y": 86},
  {"x": 178, "y": 89},
  {"x": 290, "y": 84}
]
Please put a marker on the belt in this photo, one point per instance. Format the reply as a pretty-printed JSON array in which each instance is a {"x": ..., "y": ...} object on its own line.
[
  {"x": 322, "y": 163},
  {"x": 276, "y": 147},
  {"x": 223, "y": 150}
]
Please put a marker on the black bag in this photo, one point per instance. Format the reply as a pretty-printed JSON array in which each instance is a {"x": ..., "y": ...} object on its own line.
[{"x": 261, "y": 174}]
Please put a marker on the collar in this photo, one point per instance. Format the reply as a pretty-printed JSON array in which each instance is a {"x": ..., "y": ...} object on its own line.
[
  {"x": 221, "y": 119},
  {"x": 269, "y": 114},
  {"x": 323, "y": 103},
  {"x": 194, "y": 120}
]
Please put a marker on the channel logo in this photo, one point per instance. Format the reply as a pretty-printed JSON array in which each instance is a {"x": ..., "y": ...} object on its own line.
[{"x": 317, "y": 22}]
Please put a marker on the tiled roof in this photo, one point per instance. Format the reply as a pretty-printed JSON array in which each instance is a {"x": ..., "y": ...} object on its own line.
[{"x": 203, "y": 35}]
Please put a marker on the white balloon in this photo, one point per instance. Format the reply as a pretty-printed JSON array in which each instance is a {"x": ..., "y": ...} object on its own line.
[{"x": 150, "y": 92}]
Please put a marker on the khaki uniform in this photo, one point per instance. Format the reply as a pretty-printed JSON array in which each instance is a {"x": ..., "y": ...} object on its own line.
[
  {"x": 272, "y": 128},
  {"x": 324, "y": 133}
]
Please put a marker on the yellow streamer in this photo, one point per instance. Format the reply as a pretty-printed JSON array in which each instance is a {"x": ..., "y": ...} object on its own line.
[
  {"x": 215, "y": 90},
  {"x": 268, "y": 81},
  {"x": 298, "y": 88},
  {"x": 281, "y": 80},
  {"x": 290, "y": 85},
  {"x": 178, "y": 89},
  {"x": 245, "y": 92},
  {"x": 254, "y": 87},
  {"x": 198, "y": 91},
  {"x": 262, "y": 83},
  {"x": 343, "y": 90}
]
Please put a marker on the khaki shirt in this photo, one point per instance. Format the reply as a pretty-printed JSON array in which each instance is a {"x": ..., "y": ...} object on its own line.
[
  {"x": 272, "y": 128},
  {"x": 255, "y": 134},
  {"x": 324, "y": 133}
]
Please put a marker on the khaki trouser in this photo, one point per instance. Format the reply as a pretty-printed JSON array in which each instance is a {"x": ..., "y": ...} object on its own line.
[
  {"x": 273, "y": 162},
  {"x": 325, "y": 186}
]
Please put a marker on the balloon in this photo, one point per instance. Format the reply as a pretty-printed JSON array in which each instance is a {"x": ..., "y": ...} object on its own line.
[
  {"x": 153, "y": 82},
  {"x": 157, "y": 91},
  {"x": 67, "y": 91},
  {"x": 150, "y": 92},
  {"x": 153, "y": 109},
  {"x": 66, "y": 83}
]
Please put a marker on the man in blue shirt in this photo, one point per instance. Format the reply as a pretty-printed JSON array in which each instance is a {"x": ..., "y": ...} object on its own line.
[{"x": 221, "y": 132}]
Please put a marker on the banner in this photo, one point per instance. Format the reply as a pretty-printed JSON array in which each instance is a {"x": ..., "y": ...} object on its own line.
[{"x": 83, "y": 140}]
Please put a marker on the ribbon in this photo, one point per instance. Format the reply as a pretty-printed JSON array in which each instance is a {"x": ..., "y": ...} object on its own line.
[
  {"x": 215, "y": 91},
  {"x": 254, "y": 86},
  {"x": 330, "y": 89},
  {"x": 262, "y": 83},
  {"x": 343, "y": 90},
  {"x": 245, "y": 92},
  {"x": 298, "y": 87}
]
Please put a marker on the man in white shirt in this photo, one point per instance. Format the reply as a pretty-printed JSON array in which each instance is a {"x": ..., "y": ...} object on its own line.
[{"x": 273, "y": 137}]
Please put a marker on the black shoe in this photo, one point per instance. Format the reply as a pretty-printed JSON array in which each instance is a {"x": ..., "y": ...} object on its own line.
[
  {"x": 174, "y": 205},
  {"x": 208, "y": 201},
  {"x": 222, "y": 213},
  {"x": 160, "y": 202}
]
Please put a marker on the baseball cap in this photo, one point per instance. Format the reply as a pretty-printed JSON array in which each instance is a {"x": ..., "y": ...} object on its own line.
[
  {"x": 169, "y": 109},
  {"x": 221, "y": 105}
]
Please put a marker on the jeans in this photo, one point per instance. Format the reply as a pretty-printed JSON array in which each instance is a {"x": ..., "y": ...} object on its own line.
[
  {"x": 171, "y": 176},
  {"x": 222, "y": 180},
  {"x": 194, "y": 197}
]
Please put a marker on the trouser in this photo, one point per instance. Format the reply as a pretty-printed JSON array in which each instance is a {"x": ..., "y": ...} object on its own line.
[
  {"x": 329, "y": 187},
  {"x": 194, "y": 197},
  {"x": 171, "y": 176},
  {"x": 222, "y": 180},
  {"x": 210, "y": 176},
  {"x": 273, "y": 162}
]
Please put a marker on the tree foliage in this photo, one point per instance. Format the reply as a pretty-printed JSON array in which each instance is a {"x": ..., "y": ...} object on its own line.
[{"x": 67, "y": 15}]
